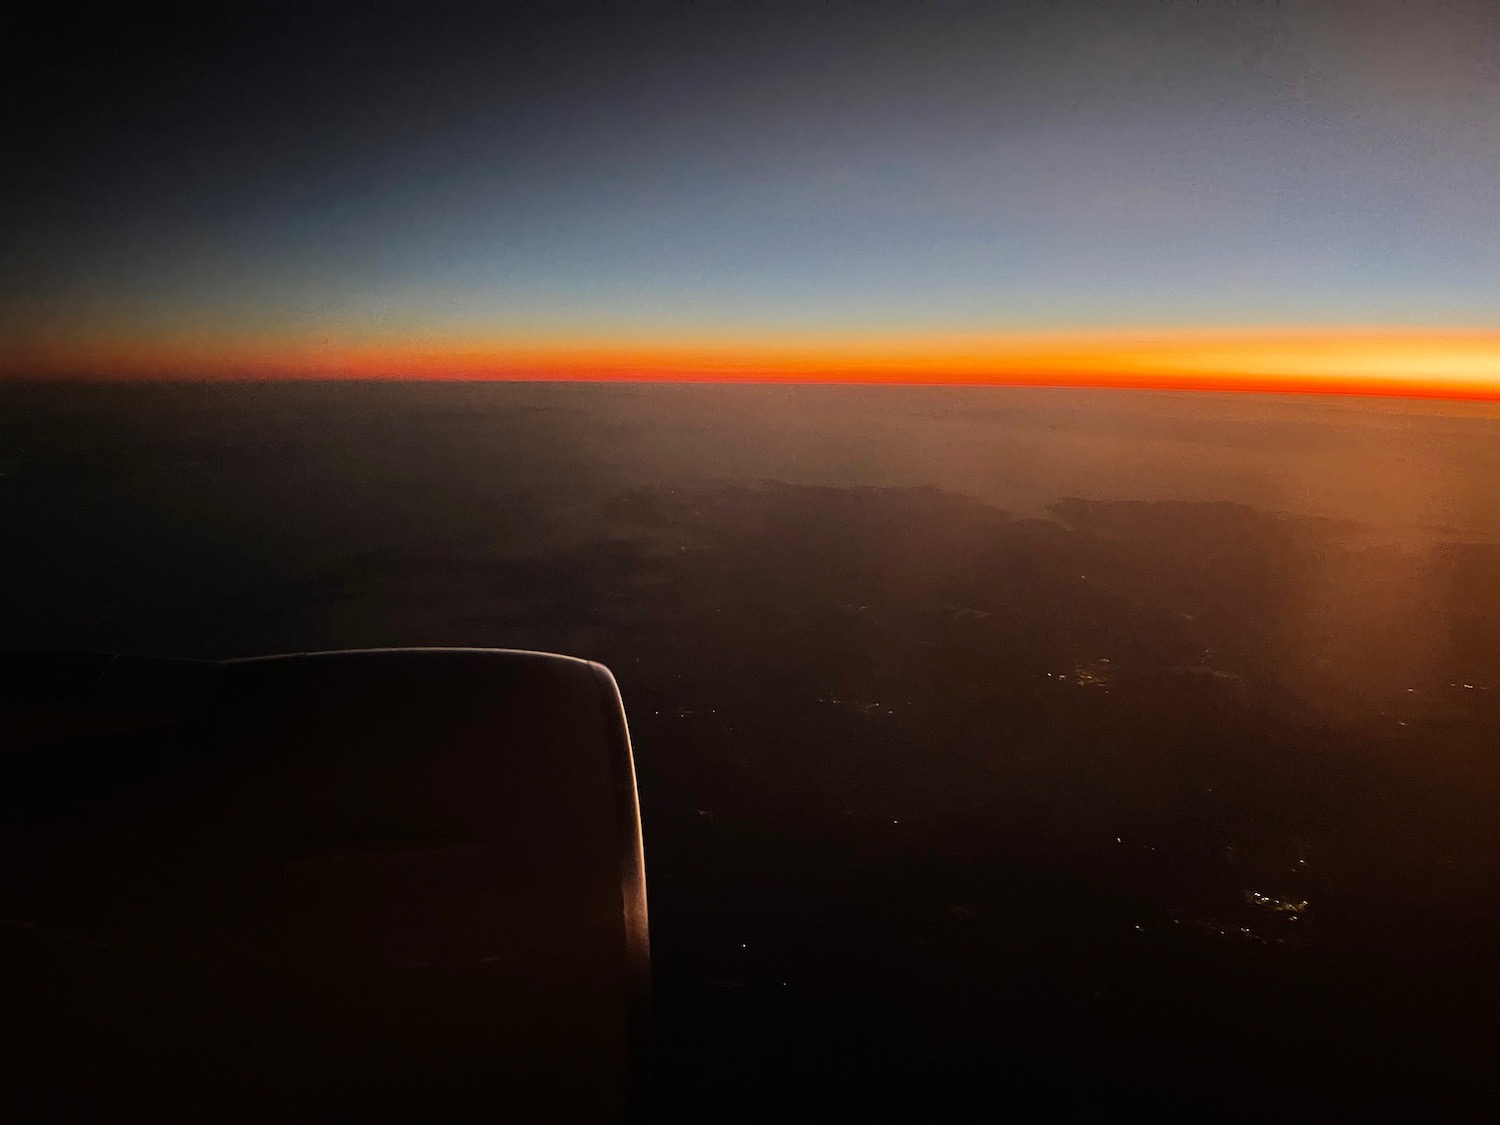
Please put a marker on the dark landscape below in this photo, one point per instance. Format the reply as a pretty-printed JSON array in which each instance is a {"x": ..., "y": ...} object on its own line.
[{"x": 1056, "y": 753}]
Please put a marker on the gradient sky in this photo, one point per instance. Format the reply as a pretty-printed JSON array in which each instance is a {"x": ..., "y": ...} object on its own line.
[{"x": 723, "y": 189}]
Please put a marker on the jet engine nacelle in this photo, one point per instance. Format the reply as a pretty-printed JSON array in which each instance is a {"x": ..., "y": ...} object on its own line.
[{"x": 399, "y": 885}]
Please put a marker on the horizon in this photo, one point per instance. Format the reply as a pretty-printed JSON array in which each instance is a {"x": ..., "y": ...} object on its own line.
[{"x": 1410, "y": 364}]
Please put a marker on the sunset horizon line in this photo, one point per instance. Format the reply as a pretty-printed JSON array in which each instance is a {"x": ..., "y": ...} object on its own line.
[
  {"x": 1300, "y": 388},
  {"x": 1385, "y": 361}
]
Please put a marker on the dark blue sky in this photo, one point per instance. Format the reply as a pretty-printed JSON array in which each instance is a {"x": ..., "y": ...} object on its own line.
[{"x": 645, "y": 171}]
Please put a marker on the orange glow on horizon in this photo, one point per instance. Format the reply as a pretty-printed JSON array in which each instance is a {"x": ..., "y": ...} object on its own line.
[{"x": 1405, "y": 362}]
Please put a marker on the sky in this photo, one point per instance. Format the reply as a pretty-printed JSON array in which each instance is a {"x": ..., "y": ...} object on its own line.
[{"x": 1237, "y": 193}]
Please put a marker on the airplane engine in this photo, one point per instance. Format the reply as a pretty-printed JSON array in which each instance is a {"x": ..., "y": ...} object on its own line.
[{"x": 386, "y": 885}]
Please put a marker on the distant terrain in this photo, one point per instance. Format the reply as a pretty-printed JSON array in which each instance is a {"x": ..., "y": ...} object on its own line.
[{"x": 1118, "y": 800}]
